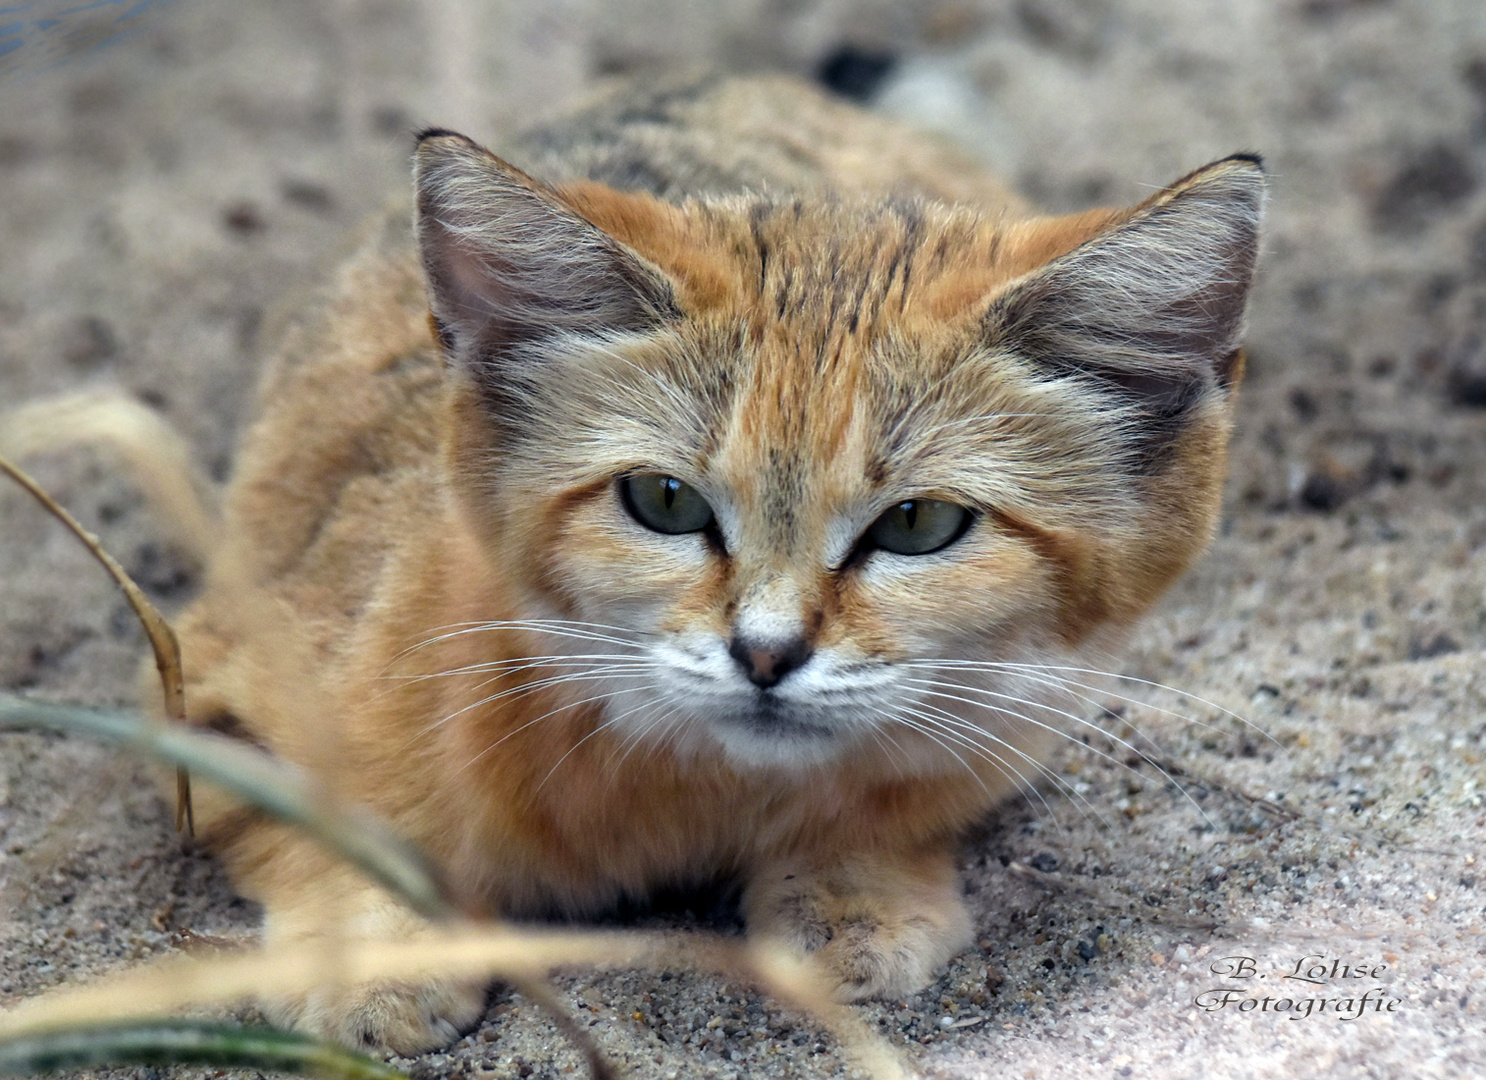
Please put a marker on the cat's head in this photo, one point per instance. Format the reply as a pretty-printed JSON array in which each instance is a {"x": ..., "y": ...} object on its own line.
[{"x": 809, "y": 469}]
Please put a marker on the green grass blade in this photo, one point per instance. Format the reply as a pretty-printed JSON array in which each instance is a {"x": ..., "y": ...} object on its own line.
[
  {"x": 187, "y": 1042},
  {"x": 274, "y": 786}
]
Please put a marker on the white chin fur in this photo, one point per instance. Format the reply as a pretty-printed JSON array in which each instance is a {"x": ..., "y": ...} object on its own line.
[
  {"x": 690, "y": 732},
  {"x": 784, "y": 750}
]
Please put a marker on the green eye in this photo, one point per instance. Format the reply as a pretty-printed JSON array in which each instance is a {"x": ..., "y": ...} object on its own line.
[
  {"x": 919, "y": 526},
  {"x": 664, "y": 503}
]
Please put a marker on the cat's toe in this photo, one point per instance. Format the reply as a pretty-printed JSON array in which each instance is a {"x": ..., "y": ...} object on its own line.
[
  {"x": 878, "y": 931},
  {"x": 404, "y": 1018},
  {"x": 867, "y": 960}
]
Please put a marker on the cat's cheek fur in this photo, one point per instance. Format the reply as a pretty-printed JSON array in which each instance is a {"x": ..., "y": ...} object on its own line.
[
  {"x": 881, "y": 924},
  {"x": 1001, "y": 592}
]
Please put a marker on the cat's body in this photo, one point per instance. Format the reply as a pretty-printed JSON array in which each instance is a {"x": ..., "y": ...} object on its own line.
[{"x": 653, "y": 556}]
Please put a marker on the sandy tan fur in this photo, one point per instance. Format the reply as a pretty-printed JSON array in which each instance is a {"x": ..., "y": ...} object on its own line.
[{"x": 809, "y": 315}]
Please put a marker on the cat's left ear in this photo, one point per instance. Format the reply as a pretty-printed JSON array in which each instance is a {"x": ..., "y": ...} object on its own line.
[
  {"x": 1153, "y": 307},
  {"x": 509, "y": 263}
]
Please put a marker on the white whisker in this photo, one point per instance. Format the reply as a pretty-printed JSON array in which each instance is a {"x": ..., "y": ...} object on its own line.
[
  {"x": 1031, "y": 703},
  {"x": 557, "y": 627},
  {"x": 1048, "y": 669},
  {"x": 605, "y": 671},
  {"x": 601, "y": 727},
  {"x": 1058, "y": 782},
  {"x": 538, "y": 720}
]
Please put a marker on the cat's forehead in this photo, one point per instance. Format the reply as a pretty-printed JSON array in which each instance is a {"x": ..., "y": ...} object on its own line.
[
  {"x": 822, "y": 264},
  {"x": 823, "y": 270}
]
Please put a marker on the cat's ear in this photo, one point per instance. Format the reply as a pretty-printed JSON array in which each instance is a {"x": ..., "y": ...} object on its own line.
[
  {"x": 509, "y": 263},
  {"x": 1152, "y": 308}
]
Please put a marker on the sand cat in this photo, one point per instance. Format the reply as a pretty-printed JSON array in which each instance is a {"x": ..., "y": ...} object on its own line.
[{"x": 699, "y": 500}]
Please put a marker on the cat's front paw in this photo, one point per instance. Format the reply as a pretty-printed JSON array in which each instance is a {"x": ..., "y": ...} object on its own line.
[
  {"x": 880, "y": 928},
  {"x": 406, "y": 1018}
]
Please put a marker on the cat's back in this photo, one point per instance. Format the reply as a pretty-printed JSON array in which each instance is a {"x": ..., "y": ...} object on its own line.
[{"x": 693, "y": 135}]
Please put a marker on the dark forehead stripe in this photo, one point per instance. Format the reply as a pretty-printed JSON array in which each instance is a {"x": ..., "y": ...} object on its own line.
[
  {"x": 783, "y": 488},
  {"x": 831, "y": 273}
]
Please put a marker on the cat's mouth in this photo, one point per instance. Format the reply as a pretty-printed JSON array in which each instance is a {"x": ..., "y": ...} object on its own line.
[
  {"x": 771, "y": 715},
  {"x": 769, "y": 730}
]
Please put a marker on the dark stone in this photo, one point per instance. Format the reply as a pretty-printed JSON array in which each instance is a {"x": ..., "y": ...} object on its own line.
[
  {"x": 1465, "y": 379},
  {"x": 1310, "y": 296},
  {"x": 1317, "y": 10},
  {"x": 1075, "y": 28},
  {"x": 1475, "y": 251},
  {"x": 88, "y": 342},
  {"x": 161, "y": 570},
  {"x": 1473, "y": 74},
  {"x": 1440, "y": 644},
  {"x": 243, "y": 218},
  {"x": 308, "y": 194},
  {"x": 1044, "y": 861},
  {"x": 391, "y": 120},
  {"x": 1468, "y": 388},
  {"x": 14, "y": 150},
  {"x": 1437, "y": 291},
  {"x": 1322, "y": 492},
  {"x": 1429, "y": 180},
  {"x": 1304, "y": 405},
  {"x": 856, "y": 73}
]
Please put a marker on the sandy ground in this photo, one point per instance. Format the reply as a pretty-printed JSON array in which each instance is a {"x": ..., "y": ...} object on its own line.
[{"x": 161, "y": 196}]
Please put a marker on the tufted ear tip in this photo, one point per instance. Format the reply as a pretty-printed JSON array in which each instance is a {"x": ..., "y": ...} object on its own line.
[
  {"x": 1252, "y": 157},
  {"x": 439, "y": 133},
  {"x": 1237, "y": 184}
]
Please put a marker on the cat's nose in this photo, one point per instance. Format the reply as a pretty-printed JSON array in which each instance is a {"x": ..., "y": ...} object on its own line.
[{"x": 766, "y": 662}]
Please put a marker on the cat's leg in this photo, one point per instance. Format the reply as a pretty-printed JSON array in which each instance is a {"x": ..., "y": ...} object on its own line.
[
  {"x": 883, "y": 925},
  {"x": 313, "y": 903},
  {"x": 311, "y": 899}
]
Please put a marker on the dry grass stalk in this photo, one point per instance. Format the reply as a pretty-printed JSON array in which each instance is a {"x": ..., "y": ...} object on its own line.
[
  {"x": 187, "y": 1042},
  {"x": 462, "y": 952},
  {"x": 274, "y": 786},
  {"x": 162, "y": 637}
]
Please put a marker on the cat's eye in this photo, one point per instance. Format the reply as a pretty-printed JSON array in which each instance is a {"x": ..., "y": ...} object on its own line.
[
  {"x": 919, "y": 526},
  {"x": 664, "y": 503}
]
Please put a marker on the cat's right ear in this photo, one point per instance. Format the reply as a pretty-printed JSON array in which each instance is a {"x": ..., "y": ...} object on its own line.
[
  {"x": 509, "y": 264},
  {"x": 1152, "y": 309}
]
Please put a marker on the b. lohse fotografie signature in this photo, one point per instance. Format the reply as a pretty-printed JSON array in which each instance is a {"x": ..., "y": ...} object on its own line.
[{"x": 1314, "y": 969}]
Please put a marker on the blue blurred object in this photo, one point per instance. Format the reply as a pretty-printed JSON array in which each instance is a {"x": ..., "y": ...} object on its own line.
[{"x": 46, "y": 34}]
